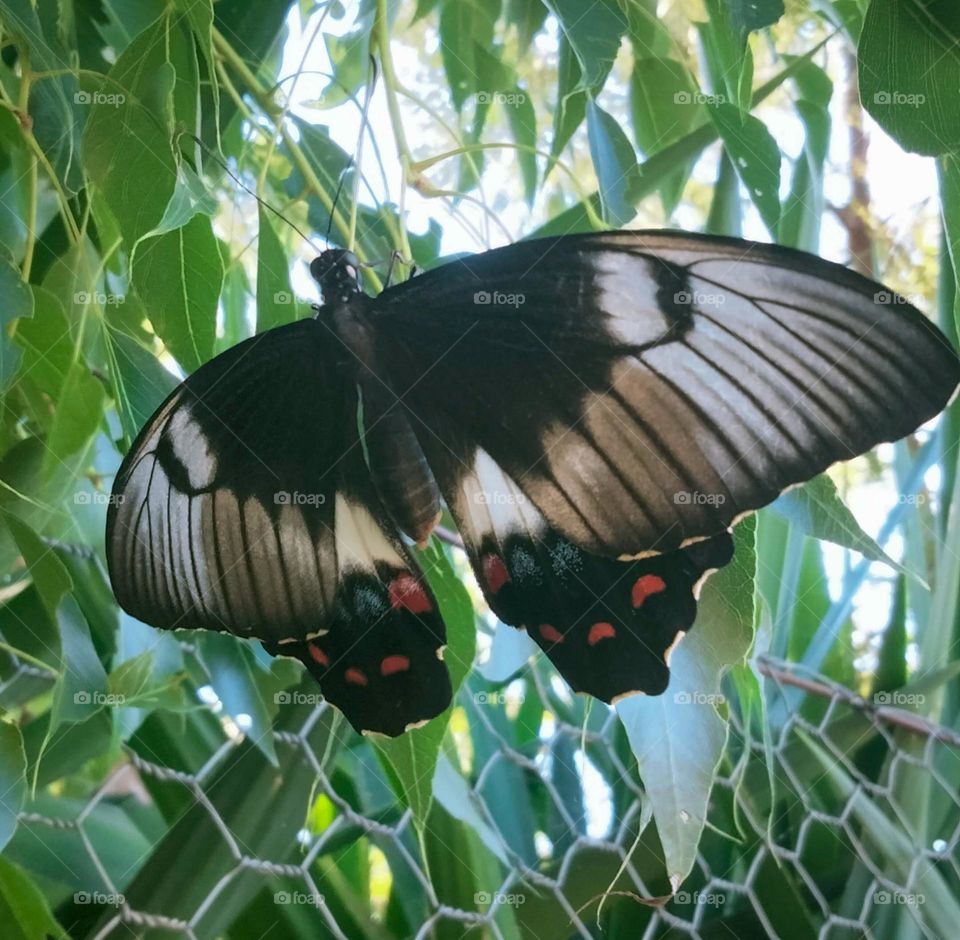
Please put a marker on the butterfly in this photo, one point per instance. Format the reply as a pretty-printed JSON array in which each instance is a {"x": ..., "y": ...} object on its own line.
[{"x": 595, "y": 412}]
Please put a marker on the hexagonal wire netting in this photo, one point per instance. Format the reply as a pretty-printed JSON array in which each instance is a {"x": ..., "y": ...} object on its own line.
[{"x": 814, "y": 829}]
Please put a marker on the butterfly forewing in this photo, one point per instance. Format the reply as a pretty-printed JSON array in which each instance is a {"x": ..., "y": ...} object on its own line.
[{"x": 646, "y": 389}]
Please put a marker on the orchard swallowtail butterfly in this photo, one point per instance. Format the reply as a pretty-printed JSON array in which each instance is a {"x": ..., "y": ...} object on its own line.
[{"x": 594, "y": 410}]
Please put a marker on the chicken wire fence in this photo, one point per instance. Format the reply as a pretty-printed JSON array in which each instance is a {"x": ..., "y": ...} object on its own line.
[{"x": 813, "y": 827}]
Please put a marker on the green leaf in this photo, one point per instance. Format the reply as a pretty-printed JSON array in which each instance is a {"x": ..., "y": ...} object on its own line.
[
  {"x": 466, "y": 33},
  {"x": 178, "y": 277},
  {"x": 571, "y": 106},
  {"x": 126, "y": 143},
  {"x": 232, "y": 678},
  {"x": 190, "y": 197},
  {"x": 200, "y": 16},
  {"x": 678, "y": 737},
  {"x": 664, "y": 103},
  {"x": 24, "y": 911},
  {"x": 594, "y": 36},
  {"x": 17, "y": 301},
  {"x": 76, "y": 418},
  {"x": 908, "y": 63},
  {"x": 350, "y": 58},
  {"x": 13, "y": 779},
  {"x": 52, "y": 105},
  {"x": 817, "y": 510},
  {"x": 528, "y": 17},
  {"x": 748, "y": 15},
  {"x": 413, "y": 756},
  {"x": 276, "y": 304},
  {"x": 141, "y": 383},
  {"x": 615, "y": 162},
  {"x": 523, "y": 125},
  {"x": 755, "y": 156}
]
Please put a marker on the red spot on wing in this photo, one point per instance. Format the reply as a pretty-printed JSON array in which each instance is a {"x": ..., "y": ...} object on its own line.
[
  {"x": 600, "y": 631},
  {"x": 406, "y": 592},
  {"x": 644, "y": 586},
  {"x": 355, "y": 677},
  {"x": 550, "y": 634},
  {"x": 495, "y": 573},
  {"x": 318, "y": 654},
  {"x": 393, "y": 664}
]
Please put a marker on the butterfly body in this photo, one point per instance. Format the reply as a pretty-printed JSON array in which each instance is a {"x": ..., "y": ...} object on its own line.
[{"x": 595, "y": 411}]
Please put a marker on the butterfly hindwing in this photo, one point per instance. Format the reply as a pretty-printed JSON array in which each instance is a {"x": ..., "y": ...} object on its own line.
[
  {"x": 646, "y": 389},
  {"x": 607, "y": 625},
  {"x": 380, "y": 660}
]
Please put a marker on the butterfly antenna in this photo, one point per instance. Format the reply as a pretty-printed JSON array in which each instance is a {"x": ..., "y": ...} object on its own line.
[{"x": 263, "y": 202}]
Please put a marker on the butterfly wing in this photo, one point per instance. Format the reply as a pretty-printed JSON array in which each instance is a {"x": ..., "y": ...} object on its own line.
[
  {"x": 607, "y": 625},
  {"x": 245, "y": 506},
  {"x": 645, "y": 389}
]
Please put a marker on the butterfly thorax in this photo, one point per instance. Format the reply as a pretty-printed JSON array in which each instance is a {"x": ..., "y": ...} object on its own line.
[
  {"x": 393, "y": 453},
  {"x": 338, "y": 273}
]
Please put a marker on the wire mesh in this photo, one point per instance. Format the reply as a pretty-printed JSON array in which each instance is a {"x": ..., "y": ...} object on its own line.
[{"x": 808, "y": 827}]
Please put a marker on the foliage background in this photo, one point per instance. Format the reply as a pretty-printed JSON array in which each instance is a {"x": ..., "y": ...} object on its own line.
[{"x": 152, "y": 783}]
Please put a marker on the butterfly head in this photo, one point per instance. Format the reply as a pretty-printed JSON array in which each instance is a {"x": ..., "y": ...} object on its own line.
[{"x": 338, "y": 273}]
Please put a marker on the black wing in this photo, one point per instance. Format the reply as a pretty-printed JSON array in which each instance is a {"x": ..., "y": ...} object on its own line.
[
  {"x": 245, "y": 506},
  {"x": 645, "y": 389}
]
